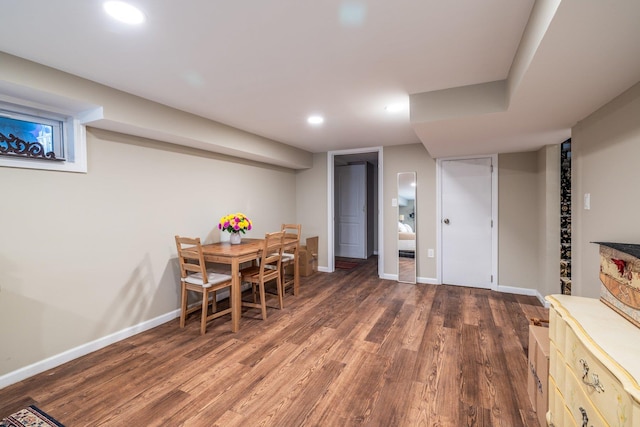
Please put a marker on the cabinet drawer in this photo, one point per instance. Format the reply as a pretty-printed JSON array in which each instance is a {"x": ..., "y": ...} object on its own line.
[
  {"x": 597, "y": 383},
  {"x": 568, "y": 419},
  {"x": 555, "y": 403},
  {"x": 559, "y": 415},
  {"x": 557, "y": 366},
  {"x": 557, "y": 327},
  {"x": 582, "y": 408}
]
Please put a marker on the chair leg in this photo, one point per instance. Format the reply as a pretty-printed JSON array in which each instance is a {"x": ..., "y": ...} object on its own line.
[
  {"x": 263, "y": 301},
  {"x": 183, "y": 305},
  {"x": 283, "y": 275},
  {"x": 280, "y": 291},
  {"x": 285, "y": 281},
  {"x": 203, "y": 318},
  {"x": 214, "y": 302}
]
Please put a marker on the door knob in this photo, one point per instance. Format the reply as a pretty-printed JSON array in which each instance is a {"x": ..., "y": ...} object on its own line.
[{"x": 446, "y": 221}]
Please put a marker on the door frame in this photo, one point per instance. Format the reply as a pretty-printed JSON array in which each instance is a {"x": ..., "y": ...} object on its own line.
[
  {"x": 494, "y": 215},
  {"x": 331, "y": 208}
]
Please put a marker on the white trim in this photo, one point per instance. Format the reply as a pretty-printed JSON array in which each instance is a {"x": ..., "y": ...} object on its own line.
[
  {"x": 494, "y": 218},
  {"x": 523, "y": 291},
  {"x": 428, "y": 280},
  {"x": 330, "y": 226},
  {"x": 84, "y": 349},
  {"x": 419, "y": 280},
  {"x": 438, "y": 259},
  {"x": 494, "y": 215},
  {"x": 386, "y": 276},
  {"x": 330, "y": 206}
]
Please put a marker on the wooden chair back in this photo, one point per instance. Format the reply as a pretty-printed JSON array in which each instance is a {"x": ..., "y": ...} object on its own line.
[
  {"x": 292, "y": 231},
  {"x": 190, "y": 256},
  {"x": 269, "y": 269},
  {"x": 195, "y": 277},
  {"x": 271, "y": 258}
]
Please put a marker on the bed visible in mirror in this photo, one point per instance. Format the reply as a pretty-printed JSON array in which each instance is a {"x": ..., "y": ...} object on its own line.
[
  {"x": 406, "y": 241},
  {"x": 407, "y": 227}
]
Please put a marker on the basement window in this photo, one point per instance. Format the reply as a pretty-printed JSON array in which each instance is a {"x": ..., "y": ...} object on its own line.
[{"x": 38, "y": 137}]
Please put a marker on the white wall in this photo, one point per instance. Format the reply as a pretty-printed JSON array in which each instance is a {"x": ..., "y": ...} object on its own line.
[
  {"x": 311, "y": 204},
  {"x": 606, "y": 155},
  {"x": 86, "y": 255},
  {"x": 549, "y": 220},
  {"x": 518, "y": 215},
  {"x": 410, "y": 158}
]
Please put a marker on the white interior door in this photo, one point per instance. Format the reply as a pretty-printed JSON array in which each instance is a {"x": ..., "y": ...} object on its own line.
[
  {"x": 351, "y": 199},
  {"x": 466, "y": 222}
]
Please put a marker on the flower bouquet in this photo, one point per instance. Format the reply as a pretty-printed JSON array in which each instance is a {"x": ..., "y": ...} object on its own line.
[{"x": 235, "y": 224}]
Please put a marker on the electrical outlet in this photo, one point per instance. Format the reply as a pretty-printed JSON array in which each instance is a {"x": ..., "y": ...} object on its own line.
[{"x": 431, "y": 253}]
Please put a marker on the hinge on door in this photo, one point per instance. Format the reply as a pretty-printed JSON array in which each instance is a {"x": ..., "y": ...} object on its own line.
[
  {"x": 491, "y": 223},
  {"x": 492, "y": 278},
  {"x": 491, "y": 168}
]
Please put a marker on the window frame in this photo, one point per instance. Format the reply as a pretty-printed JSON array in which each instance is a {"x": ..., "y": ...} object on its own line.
[{"x": 73, "y": 134}]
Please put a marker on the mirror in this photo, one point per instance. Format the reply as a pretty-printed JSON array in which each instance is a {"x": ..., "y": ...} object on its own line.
[{"x": 407, "y": 227}]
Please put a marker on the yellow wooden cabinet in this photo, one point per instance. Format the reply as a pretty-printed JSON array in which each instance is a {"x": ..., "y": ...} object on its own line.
[{"x": 594, "y": 365}]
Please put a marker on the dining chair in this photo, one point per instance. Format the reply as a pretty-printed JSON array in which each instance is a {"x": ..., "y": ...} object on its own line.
[
  {"x": 290, "y": 256},
  {"x": 195, "y": 277},
  {"x": 268, "y": 270}
]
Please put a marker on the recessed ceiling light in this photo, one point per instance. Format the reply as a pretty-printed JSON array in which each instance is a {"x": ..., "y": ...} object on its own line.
[
  {"x": 352, "y": 13},
  {"x": 124, "y": 12},
  {"x": 394, "y": 108},
  {"x": 315, "y": 120}
]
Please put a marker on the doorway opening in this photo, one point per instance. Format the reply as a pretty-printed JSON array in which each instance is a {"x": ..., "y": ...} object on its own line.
[{"x": 349, "y": 235}]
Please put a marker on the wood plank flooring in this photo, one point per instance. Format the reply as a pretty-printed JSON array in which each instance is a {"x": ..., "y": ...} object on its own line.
[{"x": 350, "y": 350}]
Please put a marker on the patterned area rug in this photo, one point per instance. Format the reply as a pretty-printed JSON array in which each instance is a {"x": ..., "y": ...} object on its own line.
[{"x": 30, "y": 417}]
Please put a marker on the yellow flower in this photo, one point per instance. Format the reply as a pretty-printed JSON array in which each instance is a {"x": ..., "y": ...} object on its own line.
[{"x": 234, "y": 223}]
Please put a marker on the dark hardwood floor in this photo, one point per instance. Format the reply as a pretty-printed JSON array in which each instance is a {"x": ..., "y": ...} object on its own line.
[{"x": 350, "y": 350}]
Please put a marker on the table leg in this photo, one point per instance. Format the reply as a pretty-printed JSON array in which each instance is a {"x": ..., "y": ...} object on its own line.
[
  {"x": 236, "y": 301},
  {"x": 296, "y": 270}
]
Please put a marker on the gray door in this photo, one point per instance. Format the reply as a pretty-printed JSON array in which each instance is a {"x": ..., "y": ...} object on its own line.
[{"x": 351, "y": 200}]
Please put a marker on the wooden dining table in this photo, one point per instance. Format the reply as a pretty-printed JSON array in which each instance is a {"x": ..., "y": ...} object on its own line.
[{"x": 234, "y": 255}]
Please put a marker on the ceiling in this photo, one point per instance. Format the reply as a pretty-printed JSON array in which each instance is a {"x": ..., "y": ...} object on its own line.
[{"x": 264, "y": 66}]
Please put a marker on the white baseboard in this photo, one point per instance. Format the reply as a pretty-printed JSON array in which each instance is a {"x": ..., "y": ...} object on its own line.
[
  {"x": 434, "y": 281},
  {"x": 386, "y": 276},
  {"x": 523, "y": 291},
  {"x": 84, "y": 349},
  {"x": 422, "y": 280}
]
